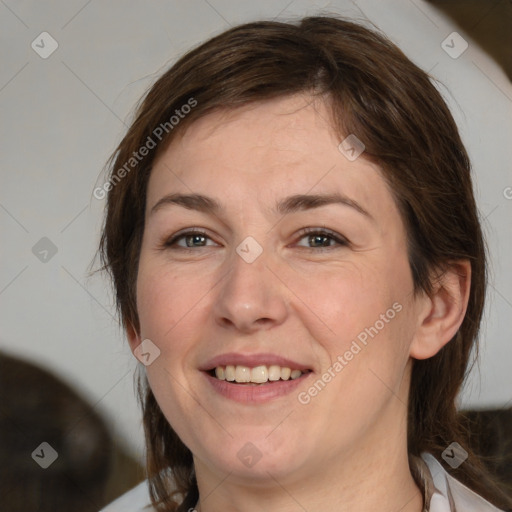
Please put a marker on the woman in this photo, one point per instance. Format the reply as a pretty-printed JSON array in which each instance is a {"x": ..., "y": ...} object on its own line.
[{"x": 298, "y": 262}]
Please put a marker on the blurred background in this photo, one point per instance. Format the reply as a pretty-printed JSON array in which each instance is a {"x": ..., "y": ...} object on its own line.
[{"x": 71, "y": 74}]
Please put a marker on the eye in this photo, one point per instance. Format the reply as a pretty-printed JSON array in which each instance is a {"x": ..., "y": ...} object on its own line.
[
  {"x": 314, "y": 239},
  {"x": 321, "y": 239},
  {"x": 189, "y": 240}
]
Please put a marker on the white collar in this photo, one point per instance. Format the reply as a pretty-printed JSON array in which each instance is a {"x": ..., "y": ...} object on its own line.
[{"x": 444, "y": 493}]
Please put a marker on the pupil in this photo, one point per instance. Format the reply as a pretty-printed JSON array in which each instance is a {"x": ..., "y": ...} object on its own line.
[
  {"x": 321, "y": 239},
  {"x": 192, "y": 239}
]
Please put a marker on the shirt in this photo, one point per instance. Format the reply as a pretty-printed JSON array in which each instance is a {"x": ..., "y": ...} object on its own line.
[{"x": 442, "y": 492}]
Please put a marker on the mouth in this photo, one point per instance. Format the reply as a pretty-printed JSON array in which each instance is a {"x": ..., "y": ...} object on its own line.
[
  {"x": 257, "y": 375},
  {"x": 254, "y": 378}
]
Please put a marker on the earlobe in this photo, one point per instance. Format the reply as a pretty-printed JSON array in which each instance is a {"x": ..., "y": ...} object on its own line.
[
  {"x": 132, "y": 335},
  {"x": 443, "y": 310}
]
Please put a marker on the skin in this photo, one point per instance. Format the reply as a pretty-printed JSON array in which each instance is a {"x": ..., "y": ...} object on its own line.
[{"x": 346, "y": 449}]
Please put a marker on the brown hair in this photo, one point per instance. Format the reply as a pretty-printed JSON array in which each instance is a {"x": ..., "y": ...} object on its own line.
[{"x": 374, "y": 92}]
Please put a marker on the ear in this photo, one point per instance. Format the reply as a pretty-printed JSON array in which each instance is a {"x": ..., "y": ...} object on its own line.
[
  {"x": 133, "y": 336},
  {"x": 442, "y": 312}
]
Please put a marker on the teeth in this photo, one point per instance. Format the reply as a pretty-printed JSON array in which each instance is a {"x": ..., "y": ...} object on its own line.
[
  {"x": 285, "y": 373},
  {"x": 229, "y": 372},
  {"x": 256, "y": 375},
  {"x": 259, "y": 374},
  {"x": 274, "y": 372},
  {"x": 295, "y": 374},
  {"x": 242, "y": 374}
]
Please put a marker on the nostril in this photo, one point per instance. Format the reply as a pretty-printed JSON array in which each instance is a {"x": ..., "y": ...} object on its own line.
[{"x": 263, "y": 321}]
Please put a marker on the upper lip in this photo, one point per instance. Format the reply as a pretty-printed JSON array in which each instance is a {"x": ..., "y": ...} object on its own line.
[{"x": 252, "y": 360}]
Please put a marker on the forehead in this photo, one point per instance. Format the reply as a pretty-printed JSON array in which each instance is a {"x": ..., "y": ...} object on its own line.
[
  {"x": 278, "y": 125},
  {"x": 264, "y": 150}
]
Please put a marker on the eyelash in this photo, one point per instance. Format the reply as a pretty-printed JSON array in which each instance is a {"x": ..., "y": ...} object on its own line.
[{"x": 340, "y": 240}]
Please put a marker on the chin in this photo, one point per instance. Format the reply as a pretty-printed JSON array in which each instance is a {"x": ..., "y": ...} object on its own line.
[{"x": 256, "y": 458}]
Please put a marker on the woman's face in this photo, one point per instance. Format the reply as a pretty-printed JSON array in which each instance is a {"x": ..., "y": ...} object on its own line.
[{"x": 299, "y": 262}]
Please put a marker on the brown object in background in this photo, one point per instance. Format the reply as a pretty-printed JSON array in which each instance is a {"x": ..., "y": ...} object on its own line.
[
  {"x": 90, "y": 470},
  {"x": 491, "y": 439},
  {"x": 488, "y": 22}
]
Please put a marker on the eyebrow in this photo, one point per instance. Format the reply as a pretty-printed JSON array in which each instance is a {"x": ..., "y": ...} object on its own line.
[{"x": 294, "y": 203}]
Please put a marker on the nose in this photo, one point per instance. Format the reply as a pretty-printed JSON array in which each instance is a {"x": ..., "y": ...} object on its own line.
[{"x": 250, "y": 297}]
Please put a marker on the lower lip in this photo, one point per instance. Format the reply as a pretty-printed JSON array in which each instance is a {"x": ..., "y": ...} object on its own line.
[{"x": 260, "y": 393}]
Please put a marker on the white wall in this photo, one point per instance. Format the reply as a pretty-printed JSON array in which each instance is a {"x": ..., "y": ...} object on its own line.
[{"x": 62, "y": 116}]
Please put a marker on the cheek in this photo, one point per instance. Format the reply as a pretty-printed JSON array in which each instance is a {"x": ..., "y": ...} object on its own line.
[
  {"x": 168, "y": 303},
  {"x": 346, "y": 300},
  {"x": 169, "y": 307},
  {"x": 361, "y": 315}
]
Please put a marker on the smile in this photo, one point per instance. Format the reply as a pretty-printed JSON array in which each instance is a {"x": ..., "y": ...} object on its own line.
[
  {"x": 254, "y": 378},
  {"x": 261, "y": 374}
]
